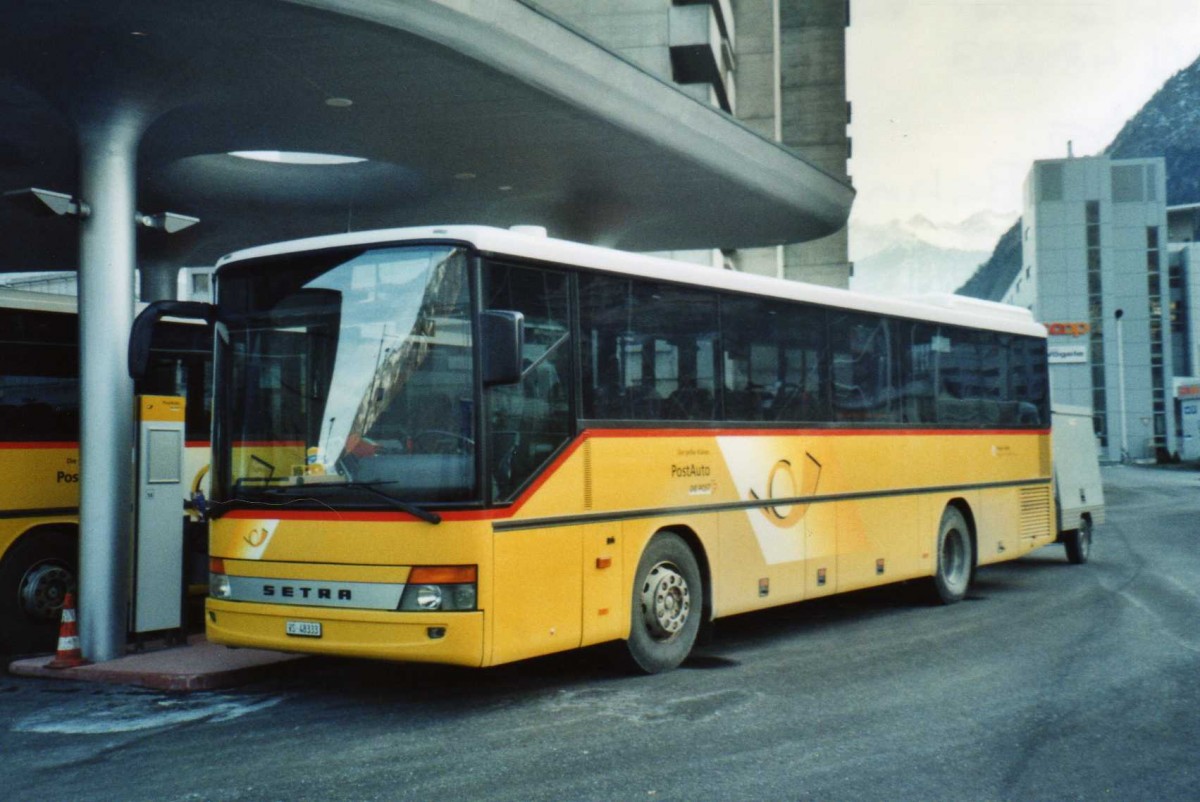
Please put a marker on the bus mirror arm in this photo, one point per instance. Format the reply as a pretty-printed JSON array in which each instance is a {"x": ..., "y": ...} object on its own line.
[
  {"x": 503, "y": 335},
  {"x": 142, "y": 333}
]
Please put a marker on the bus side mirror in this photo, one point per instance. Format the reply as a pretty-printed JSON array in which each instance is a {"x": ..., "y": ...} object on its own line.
[
  {"x": 503, "y": 336},
  {"x": 142, "y": 333}
]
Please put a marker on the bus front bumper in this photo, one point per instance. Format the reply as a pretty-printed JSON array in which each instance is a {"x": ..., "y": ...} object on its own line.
[{"x": 449, "y": 638}]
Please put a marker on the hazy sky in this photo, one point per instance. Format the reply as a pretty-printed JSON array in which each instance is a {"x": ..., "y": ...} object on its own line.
[{"x": 953, "y": 99}]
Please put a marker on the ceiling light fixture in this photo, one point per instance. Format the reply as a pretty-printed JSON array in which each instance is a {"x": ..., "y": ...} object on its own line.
[{"x": 296, "y": 157}]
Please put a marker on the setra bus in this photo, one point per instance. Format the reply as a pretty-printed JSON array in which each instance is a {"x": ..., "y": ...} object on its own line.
[
  {"x": 39, "y": 450},
  {"x": 468, "y": 445}
]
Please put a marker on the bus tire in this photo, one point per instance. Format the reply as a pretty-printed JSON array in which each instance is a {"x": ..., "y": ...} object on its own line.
[
  {"x": 955, "y": 558},
  {"x": 668, "y": 597},
  {"x": 1078, "y": 542},
  {"x": 35, "y": 576}
]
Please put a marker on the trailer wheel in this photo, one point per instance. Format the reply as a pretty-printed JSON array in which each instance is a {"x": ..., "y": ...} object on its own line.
[
  {"x": 35, "y": 577},
  {"x": 1079, "y": 542}
]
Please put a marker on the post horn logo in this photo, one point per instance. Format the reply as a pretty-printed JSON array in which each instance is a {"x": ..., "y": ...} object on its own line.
[
  {"x": 256, "y": 537},
  {"x": 787, "y": 515}
]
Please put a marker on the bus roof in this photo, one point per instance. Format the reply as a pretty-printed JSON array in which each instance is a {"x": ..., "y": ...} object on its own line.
[
  {"x": 949, "y": 309},
  {"x": 37, "y": 301}
]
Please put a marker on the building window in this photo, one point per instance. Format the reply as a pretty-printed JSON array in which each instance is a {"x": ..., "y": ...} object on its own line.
[
  {"x": 1157, "y": 367},
  {"x": 1096, "y": 315},
  {"x": 1180, "y": 339},
  {"x": 1128, "y": 183},
  {"x": 1050, "y": 182}
]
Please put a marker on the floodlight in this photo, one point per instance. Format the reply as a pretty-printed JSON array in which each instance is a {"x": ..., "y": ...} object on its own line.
[
  {"x": 44, "y": 201},
  {"x": 169, "y": 222}
]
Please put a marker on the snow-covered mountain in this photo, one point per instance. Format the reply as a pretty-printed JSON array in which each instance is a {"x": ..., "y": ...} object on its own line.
[{"x": 919, "y": 255}]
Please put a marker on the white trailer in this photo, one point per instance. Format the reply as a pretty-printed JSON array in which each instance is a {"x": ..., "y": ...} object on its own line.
[{"x": 1078, "y": 491}]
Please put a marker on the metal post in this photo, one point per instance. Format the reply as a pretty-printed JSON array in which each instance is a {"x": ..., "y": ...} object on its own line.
[
  {"x": 107, "y": 257},
  {"x": 1120, "y": 313}
]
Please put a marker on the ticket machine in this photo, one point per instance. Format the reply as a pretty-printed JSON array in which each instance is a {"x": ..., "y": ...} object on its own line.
[{"x": 158, "y": 545}]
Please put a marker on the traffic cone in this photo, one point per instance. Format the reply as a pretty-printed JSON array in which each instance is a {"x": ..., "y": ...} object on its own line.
[{"x": 69, "y": 654}]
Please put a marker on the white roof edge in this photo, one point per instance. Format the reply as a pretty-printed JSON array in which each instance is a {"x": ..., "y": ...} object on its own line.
[
  {"x": 948, "y": 309},
  {"x": 949, "y": 300}
]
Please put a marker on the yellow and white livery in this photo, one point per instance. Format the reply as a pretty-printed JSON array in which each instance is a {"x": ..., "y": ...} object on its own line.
[{"x": 472, "y": 446}]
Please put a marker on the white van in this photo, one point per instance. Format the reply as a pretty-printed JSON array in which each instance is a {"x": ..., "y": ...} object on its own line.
[{"x": 1078, "y": 492}]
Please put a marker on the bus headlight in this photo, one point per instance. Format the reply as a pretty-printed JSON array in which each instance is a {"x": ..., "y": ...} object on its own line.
[
  {"x": 218, "y": 586},
  {"x": 444, "y": 588},
  {"x": 429, "y": 597}
]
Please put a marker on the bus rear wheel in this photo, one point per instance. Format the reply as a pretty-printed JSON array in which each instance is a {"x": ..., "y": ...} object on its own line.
[
  {"x": 668, "y": 597},
  {"x": 35, "y": 576},
  {"x": 955, "y": 558}
]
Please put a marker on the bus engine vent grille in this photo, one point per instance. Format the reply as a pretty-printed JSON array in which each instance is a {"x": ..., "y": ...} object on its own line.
[
  {"x": 587, "y": 474},
  {"x": 1035, "y": 511}
]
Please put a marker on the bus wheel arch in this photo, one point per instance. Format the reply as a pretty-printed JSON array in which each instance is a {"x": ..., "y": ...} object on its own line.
[
  {"x": 669, "y": 601},
  {"x": 35, "y": 575},
  {"x": 955, "y": 553}
]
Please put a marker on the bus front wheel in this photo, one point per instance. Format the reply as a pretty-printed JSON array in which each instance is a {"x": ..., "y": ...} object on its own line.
[
  {"x": 955, "y": 558},
  {"x": 35, "y": 576},
  {"x": 668, "y": 597}
]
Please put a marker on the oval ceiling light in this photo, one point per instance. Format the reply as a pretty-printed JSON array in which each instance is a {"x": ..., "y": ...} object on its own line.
[{"x": 295, "y": 157}]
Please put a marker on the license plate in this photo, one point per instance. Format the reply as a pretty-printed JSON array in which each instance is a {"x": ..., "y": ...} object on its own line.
[{"x": 304, "y": 629}]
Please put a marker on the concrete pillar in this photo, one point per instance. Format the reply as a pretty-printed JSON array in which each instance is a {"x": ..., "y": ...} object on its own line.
[{"x": 107, "y": 257}]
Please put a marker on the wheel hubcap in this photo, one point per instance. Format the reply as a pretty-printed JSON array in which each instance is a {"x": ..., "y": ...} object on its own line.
[
  {"x": 42, "y": 591},
  {"x": 666, "y": 601}
]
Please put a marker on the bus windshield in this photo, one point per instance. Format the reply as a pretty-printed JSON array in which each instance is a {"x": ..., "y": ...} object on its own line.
[{"x": 347, "y": 378}]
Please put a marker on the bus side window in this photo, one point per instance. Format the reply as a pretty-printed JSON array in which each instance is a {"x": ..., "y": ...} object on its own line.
[
  {"x": 529, "y": 421},
  {"x": 39, "y": 377},
  {"x": 918, "y": 378},
  {"x": 863, "y": 385},
  {"x": 649, "y": 350},
  {"x": 775, "y": 361}
]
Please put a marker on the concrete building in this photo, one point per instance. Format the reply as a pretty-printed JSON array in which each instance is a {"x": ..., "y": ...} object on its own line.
[
  {"x": 1183, "y": 225},
  {"x": 1095, "y": 272},
  {"x": 778, "y": 66}
]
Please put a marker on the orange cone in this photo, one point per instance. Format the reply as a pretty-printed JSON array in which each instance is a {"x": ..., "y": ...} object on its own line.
[{"x": 69, "y": 654}]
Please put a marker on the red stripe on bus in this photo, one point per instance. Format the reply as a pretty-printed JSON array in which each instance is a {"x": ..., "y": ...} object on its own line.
[
  {"x": 75, "y": 444},
  {"x": 34, "y": 445},
  {"x": 831, "y": 432}
]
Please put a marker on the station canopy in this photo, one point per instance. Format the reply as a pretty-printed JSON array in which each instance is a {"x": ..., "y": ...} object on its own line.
[{"x": 269, "y": 120}]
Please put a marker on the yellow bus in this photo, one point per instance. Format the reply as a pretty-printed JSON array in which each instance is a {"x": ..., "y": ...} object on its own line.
[
  {"x": 470, "y": 446},
  {"x": 39, "y": 450}
]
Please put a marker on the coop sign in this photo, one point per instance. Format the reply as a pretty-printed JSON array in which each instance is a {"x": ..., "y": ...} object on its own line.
[{"x": 1068, "y": 329}]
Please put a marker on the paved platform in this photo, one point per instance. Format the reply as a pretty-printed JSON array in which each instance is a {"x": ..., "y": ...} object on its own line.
[{"x": 198, "y": 666}]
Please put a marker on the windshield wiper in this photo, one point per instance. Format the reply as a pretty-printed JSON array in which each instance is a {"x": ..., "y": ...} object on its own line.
[
  {"x": 428, "y": 516},
  {"x": 292, "y": 491}
]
